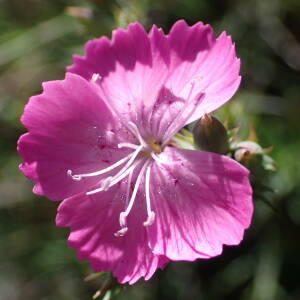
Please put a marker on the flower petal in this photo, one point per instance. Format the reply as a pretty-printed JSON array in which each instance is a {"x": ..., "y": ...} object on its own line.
[
  {"x": 70, "y": 127},
  {"x": 148, "y": 78},
  {"x": 203, "y": 67},
  {"x": 201, "y": 202},
  {"x": 94, "y": 220}
]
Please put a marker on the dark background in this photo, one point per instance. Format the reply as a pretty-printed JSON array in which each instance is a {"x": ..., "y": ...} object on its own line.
[{"x": 37, "y": 39}]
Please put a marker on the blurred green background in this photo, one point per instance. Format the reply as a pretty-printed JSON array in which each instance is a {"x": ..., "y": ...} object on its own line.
[{"x": 37, "y": 39}]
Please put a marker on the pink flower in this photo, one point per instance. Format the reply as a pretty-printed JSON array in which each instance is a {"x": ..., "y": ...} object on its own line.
[{"x": 100, "y": 141}]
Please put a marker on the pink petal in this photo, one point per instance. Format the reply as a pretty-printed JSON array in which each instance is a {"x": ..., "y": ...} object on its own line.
[
  {"x": 69, "y": 127},
  {"x": 201, "y": 202},
  {"x": 147, "y": 78},
  {"x": 94, "y": 220}
]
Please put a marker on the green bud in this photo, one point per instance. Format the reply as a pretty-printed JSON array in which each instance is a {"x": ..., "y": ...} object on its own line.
[
  {"x": 79, "y": 12},
  {"x": 247, "y": 151},
  {"x": 211, "y": 135},
  {"x": 253, "y": 156},
  {"x": 260, "y": 165}
]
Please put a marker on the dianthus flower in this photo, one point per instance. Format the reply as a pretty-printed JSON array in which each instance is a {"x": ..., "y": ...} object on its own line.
[{"x": 101, "y": 141}]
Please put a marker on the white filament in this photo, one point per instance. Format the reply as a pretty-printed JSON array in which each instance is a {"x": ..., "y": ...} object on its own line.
[
  {"x": 136, "y": 132},
  {"x": 181, "y": 118},
  {"x": 186, "y": 110},
  {"x": 158, "y": 159},
  {"x": 127, "y": 145},
  {"x": 111, "y": 181},
  {"x": 78, "y": 177},
  {"x": 116, "y": 178},
  {"x": 128, "y": 186},
  {"x": 136, "y": 187},
  {"x": 124, "y": 214},
  {"x": 130, "y": 162},
  {"x": 150, "y": 213}
]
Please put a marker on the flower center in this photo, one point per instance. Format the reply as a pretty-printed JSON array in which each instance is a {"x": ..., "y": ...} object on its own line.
[
  {"x": 140, "y": 158},
  {"x": 155, "y": 146}
]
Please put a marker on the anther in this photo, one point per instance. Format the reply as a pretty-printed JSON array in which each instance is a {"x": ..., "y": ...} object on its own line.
[
  {"x": 150, "y": 219},
  {"x": 74, "y": 177},
  {"x": 122, "y": 219},
  {"x": 95, "y": 77},
  {"x": 121, "y": 232}
]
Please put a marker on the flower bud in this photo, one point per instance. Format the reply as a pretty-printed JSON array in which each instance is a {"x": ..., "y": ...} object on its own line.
[
  {"x": 254, "y": 157},
  {"x": 247, "y": 150},
  {"x": 210, "y": 135},
  {"x": 79, "y": 12}
]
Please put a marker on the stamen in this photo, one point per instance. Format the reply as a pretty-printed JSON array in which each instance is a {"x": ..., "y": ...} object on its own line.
[
  {"x": 181, "y": 118},
  {"x": 150, "y": 219},
  {"x": 95, "y": 77},
  {"x": 192, "y": 84},
  {"x": 111, "y": 182},
  {"x": 136, "y": 132},
  {"x": 119, "y": 177},
  {"x": 124, "y": 214},
  {"x": 122, "y": 219},
  {"x": 127, "y": 145},
  {"x": 74, "y": 177},
  {"x": 159, "y": 159},
  {"x": 128, "y": 186},
  {"x": 129, "y": 163},
  {"x": 78, "y": 177},
  {"x": 121, "y": 232},
  {"x": 150, "y": 213},
  {"x": 188, "y": 88},
  {"x": 95, "y": 191},
  {"x": 106, "y": 182},
  {"x": 131, "y": 157}
]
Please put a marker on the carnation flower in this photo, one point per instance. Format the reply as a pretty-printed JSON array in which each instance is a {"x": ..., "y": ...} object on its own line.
[{"x": 101, "y": 141}]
